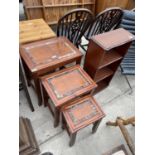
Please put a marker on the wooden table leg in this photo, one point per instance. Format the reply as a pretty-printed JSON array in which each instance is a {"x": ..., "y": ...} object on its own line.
[
  {"x": 72, "y": 139},
  {"x": 78, "y": 61},
  {"x": 38, "y": 91},
  {"x": 56, "y": 117},
  {"x": 44, "y": 95},
  {"x": 24, "y": 82},
  {"x": 92, "y": 92},
  {"x": 27, "y": 73},
  {"x": 63, "y": 122},
  {"x": 95, "y": 126}
]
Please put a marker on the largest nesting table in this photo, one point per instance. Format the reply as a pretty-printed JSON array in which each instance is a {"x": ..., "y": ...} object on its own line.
[
  {"x": 30, "y": 31},
  {"x": 42, "y": 57}
]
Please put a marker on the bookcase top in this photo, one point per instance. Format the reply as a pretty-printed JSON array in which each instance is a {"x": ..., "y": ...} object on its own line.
[{"x": 112, "y": 39}]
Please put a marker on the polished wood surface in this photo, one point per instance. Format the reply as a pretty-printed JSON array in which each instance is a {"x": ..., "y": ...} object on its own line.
[
  {"x": 113, "y": 38},
  {"x": 67, "y": 84},
  {"x": 49, "y": 53},
  {"x": 79, "y": 114},
  {"x": 42, "y": 57},
  {"x": 107, "y": 50},
  {"x": 104, "y": 4},
  {"x": 32, "y": 30}
]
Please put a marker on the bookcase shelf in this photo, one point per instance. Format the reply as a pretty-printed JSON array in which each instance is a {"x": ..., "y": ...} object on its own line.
[
  {"x": 104, "y": 55},
  {"x": 102, "y": 74},
  {"x": 110, "y": 57},
  {"x": 51, "y": 11},
  {"x": 103, "y": 84}
]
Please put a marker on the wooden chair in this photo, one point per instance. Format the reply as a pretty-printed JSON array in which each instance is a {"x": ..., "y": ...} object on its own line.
[
  {"x": 121, "y": 123},
  {"x": 74, "y": 24},
  {"x": 105, "y": 21}
]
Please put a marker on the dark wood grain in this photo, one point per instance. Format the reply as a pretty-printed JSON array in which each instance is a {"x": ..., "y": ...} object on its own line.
[
  {"x": 43, "y": 57},
  {"x": 65, "y": 86},
  {"x": 81, "y": 113},
  {"x": 104, "y": 55}
]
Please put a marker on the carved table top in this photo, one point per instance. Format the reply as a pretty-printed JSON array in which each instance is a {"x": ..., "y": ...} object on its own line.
[
  {"x": 32, "y": 30},
  {"x": 67, "y": 84},
  {"x": 81, "y": 113},
  {"x": 50, "y": 52}
]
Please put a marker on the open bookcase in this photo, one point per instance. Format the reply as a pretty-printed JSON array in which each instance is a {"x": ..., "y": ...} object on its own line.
[
  {"x": 104, "y": 55},
  {"x": 52, "y": 10}
]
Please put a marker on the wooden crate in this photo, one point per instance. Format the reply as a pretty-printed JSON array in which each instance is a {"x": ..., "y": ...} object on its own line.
[{"x": 52, "y": 10}]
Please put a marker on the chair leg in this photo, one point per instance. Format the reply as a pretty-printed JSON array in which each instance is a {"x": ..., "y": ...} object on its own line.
[
  {"x": 72, "y": 139},
  {"x": 96, "y": 125}
]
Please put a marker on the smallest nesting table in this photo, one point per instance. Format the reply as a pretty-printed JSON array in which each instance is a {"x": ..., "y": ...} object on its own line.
[
  {"x": 65, "y": 86},
  {"x": 80, "y": 114}
]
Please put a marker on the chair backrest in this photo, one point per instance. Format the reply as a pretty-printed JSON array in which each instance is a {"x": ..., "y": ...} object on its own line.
[
  {"x": 105, "y": 21},
  {"x": 74, "y": 24}
]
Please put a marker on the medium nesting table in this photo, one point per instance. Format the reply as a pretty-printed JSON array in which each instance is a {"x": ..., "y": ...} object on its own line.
[
  {"x": 65, "y": 86},
  {"x": 42, "y": 57},
  {"x": 79, "y": 114}
]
